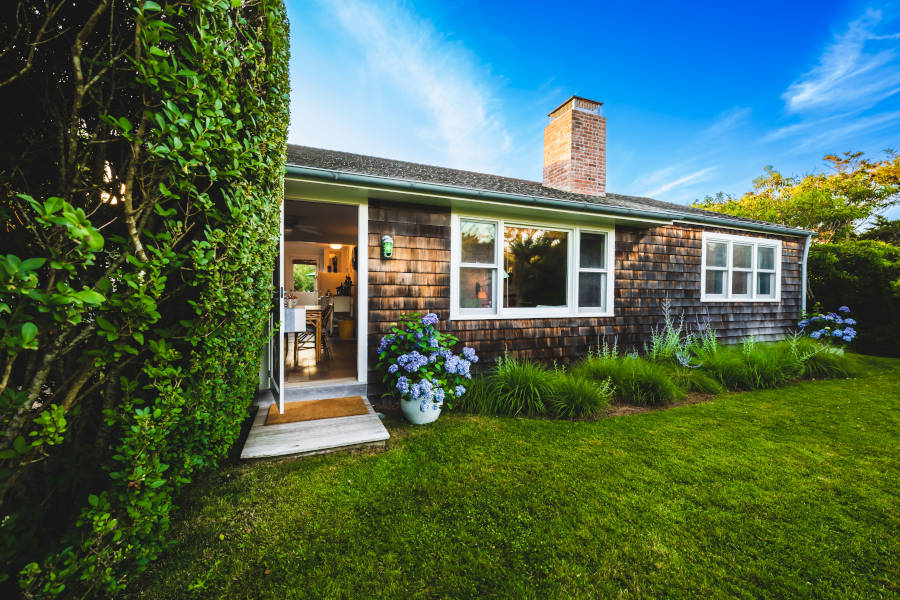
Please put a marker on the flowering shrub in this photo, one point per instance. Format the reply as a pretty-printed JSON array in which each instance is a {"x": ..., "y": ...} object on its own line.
[
  {"x": 833, "y": 326},
  {"x": 418, "y": 364}
]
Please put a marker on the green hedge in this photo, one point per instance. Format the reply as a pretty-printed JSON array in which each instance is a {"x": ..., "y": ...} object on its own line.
[
  {"x": 864, "y": 275},
  {"x": 141, "y": 181}
]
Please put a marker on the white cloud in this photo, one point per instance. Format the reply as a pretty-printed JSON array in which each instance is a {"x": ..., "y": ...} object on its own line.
[
  {"x": 854, "y": 72},
  {"x": 439, "y": 76},
  {"x": 728, "y": 122},
  {"x": 695, "y": 177}
]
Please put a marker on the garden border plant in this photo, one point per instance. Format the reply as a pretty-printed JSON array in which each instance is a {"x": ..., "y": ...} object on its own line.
[{"x": 140, "y": 233}]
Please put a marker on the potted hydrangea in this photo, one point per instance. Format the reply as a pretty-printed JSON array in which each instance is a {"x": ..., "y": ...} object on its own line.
[
  {"x": 420, "y": 368},
  {"x": 833, "y": 326}
]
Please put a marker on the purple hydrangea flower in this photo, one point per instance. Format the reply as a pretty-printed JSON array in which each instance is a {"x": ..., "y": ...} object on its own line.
[
  {"x": 430, "y": 319},
  {"x": 385, "y": 342},
  {"x": 459, "y": 391},
  {"x": 403, "y": 385},
  {"x": 393, "y": 368},
  {"x": 469, "y": 354},
  {"x": 439, "y": 395}
]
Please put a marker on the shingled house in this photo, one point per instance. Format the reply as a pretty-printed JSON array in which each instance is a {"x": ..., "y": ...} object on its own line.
[{"x": 537, "y": 269}]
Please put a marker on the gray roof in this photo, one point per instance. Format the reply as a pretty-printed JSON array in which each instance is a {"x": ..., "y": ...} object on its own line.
[{"x": 401, "y": 171}]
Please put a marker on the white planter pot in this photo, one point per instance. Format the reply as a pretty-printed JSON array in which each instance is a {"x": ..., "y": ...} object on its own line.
[{"x": 415, "y": 415}]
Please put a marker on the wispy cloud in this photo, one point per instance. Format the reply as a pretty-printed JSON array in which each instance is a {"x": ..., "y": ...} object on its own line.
[
  {"x": 695, "y": 177},
  {"x": 438, "y": 75},
  {"x": 728, "y": 122},
  {"x": 856, "y": 71}
]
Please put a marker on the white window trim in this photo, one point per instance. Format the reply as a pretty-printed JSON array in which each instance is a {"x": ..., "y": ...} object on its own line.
[
  {"x": 731, "y": 239},
  {"x": 573, "y": 269}
]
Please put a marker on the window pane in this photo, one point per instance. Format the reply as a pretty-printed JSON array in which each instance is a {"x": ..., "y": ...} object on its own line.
[
  {"x": 765, "y": 285},
  {"x": 304, "y": 277},
  {"x": 478, "y": 242},
  {"x": 535, "y": 261},
  {"x": 476, "y": 288},
  {"x": 716, "y": 254},
  {"x": 715, "y": 283},
  {"x": 766, "y": 258},
  {"x": 740, "y": 283},
  {"x": 742, "y": 256},
  {"x": 593, "y": 251},
  {"x": 591, "y": 290}
]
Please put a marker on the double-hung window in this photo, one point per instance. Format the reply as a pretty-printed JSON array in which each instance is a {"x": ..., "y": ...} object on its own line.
[
  {"x": 514, "y": 269},
  {"x": 739, "y": 268}
]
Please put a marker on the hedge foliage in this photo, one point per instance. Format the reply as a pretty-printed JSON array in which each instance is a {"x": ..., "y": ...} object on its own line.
[
  {"x": 865, "y": 275},
  {"x": 141, "y": 177}
]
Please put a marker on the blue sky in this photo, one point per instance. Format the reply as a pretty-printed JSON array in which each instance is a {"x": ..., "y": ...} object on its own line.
[{"x": 698, "y": 98}]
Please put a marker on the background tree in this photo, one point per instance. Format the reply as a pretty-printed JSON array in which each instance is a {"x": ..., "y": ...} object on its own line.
[
  {"x": 140, "y": 181},
  {"x": 832, "y": 204}
]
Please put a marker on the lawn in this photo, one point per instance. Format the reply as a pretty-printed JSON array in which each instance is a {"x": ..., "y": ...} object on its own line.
[{"x": 793, "y": 492}]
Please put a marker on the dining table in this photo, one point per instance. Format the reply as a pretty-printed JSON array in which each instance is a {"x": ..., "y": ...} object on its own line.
[{"x": 298, "y": 318}]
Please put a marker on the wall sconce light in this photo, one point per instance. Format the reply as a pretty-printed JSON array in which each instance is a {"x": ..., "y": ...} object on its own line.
[
  {"x": 334, "y": 246},
  {"x": 387, "y": 246}
]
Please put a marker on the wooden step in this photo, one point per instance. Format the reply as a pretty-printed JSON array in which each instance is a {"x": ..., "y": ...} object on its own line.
[{"x": 312, "y": 437}]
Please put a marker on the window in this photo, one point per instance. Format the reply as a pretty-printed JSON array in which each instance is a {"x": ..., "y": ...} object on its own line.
[
  {"x": 304, "y": 272},
  {"x": 506, "y": 269},
  {"x": 739, "y": 268}
]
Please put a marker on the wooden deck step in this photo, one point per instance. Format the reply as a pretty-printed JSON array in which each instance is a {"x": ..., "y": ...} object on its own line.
[{"x": 311, "y": 437}]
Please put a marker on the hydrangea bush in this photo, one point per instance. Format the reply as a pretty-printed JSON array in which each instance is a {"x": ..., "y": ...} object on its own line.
[
  {"x": 418, "y": 363},
  {"x": 834, "y": 326}
]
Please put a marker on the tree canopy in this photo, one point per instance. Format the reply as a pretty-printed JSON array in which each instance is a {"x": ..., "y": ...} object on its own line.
[{"x": 832, "y": 204}]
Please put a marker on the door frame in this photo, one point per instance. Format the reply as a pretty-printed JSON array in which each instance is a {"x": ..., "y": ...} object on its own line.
[{"x": 361, "y": 301}]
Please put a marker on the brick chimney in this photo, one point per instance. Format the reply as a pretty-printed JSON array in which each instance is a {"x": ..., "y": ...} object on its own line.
[{"x": 575, "y": 148}]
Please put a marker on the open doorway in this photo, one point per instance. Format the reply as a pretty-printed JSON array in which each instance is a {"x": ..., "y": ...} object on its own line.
[{"x": 321, "y": 276}]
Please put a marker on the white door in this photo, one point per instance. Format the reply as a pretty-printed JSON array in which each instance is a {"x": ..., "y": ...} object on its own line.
[{"x": 276, "y": 321}]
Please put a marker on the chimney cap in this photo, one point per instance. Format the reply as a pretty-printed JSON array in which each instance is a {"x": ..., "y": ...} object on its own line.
[{"x": 580, "y": 102}]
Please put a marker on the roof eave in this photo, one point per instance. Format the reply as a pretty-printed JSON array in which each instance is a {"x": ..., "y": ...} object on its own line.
[{"x": 391, "y": 183}]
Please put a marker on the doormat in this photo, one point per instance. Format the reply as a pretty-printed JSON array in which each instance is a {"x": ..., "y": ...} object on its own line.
[{"x": 310, "y": 410}]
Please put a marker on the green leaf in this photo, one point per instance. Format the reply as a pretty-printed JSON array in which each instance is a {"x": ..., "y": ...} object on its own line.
[
  {"x": 20, "y": 445},
  {"x": 33, "y": 264},
  {"x": 151, "y": 5},
  {"x": 157, "y": 51},
  {"x": 29, "y": 332},
  {"x": 90, "y": 297}
]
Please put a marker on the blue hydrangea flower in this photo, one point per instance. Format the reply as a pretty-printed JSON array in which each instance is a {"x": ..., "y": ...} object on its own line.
[
  {"x": 446, "y": 354},
  {"x": 816, "y": 334},
  {"x": 839, "y": 320},
  {"x": 432, "y": 342},
  {"x": 469, "y": 354},
  {"x": 850, "y": 321},
  {"x": 837, "y": 333},
  {"x": 849, "y": 331},
  {"x": 419, "y": 335},
  {"x": 385, "y": 342},
  {"x": 803, "y": 323},
  {"x": 433, "y": 357},
  {"x": 459, "y": 391},
  {"x": 393, "y": 368},
  {"x": 439, "y": 395},
  {"x": 845, "y": 309},
  {"x": 403, "y": 385},
  {"x": 830, "y": 317},
  {"x": 430, "y": 319},
  {"x": 848, "y": 338}
]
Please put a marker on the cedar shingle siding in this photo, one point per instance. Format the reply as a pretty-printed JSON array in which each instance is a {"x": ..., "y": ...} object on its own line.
[{"x": 651, "y": 264}]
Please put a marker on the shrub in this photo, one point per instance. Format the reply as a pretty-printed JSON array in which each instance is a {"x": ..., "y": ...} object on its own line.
[
  {"x": 479, "y": 397},
  {"x": 519, "y": 387},
  {"x": 865, "y": 274},
  {"x": 821, "y": 361},
  {"x": 574, "y": 396},
  {"x": 695, "y": 380},
  {"x": 418, "y": 365},
  {"x": 139, "y": 234},
  {"x": 832, "y": 328},
  {"x": 636, "y": 381}
]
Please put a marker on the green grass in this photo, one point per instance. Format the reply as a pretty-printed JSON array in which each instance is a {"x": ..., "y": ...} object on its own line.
[{"x": 782, "y": 493}]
